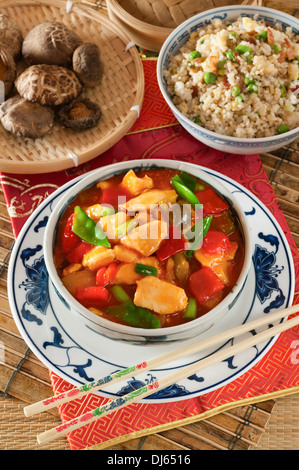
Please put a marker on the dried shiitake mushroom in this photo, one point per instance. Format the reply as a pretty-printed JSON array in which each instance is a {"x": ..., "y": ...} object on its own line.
[
  {"x": 50, "y": 42},
  {"x": 26, "y": 119},
  {"x": 10, "y": 36},
  {"x": 87, "y": 65},
  {"x": 8, "y": 70},
  {"x": 49, "y": 85},
  {"x": 80, "y": 114}
]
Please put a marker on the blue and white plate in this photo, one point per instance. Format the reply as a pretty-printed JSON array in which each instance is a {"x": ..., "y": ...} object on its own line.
[{"x": 79, "y": 355}]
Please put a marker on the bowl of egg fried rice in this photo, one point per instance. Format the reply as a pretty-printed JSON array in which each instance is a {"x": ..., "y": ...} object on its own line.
[{"x": 230, "y": 75}]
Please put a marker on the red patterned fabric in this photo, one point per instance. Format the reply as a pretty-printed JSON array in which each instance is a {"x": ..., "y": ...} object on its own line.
[{"x": 277, "y": 371}]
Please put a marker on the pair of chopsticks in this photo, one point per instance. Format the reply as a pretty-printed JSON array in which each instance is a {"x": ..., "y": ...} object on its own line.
[{"x": 160, "y": 384}]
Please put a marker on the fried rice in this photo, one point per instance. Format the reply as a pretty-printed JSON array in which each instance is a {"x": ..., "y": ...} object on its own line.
[{"x": 239, "y": 79}]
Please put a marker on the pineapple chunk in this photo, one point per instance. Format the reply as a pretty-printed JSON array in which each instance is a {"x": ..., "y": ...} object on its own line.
[
  {"x": 97, "y": 257},
  {"x": 146, "y": 238},
  {"x": 136, "y": 185},
  {"x": 150, "y": 198},
  {"x": 160, "y": 296}
]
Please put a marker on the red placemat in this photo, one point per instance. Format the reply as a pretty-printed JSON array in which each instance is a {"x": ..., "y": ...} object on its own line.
[{"x": 277, "y": 372}]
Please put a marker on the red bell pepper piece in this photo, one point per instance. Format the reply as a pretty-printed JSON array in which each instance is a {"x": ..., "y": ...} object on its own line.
[
  {"x": 92, "y": 294},
  {"x": 211, "y": 201},
  {"x": 175, "y": 243},
  {"x": 69, "y": 239},
  {"x": 110, "y": 196},
  {"x": 106, "y": 274},
  {"x": 216, "y": 242},
  {"x": 79, "y": 251},
  {"x": 204, "y": 283}
]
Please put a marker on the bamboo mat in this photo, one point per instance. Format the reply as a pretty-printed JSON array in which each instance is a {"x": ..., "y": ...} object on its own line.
[{"x": 268, "y": 425}]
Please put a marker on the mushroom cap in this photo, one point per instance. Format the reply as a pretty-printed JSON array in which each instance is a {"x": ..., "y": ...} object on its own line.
[
  {"x": 49, "y": 85},
  {"x": 50, "y": 42},
  {"x": 26, "y": 119},
  {"x": 80, "y": 114},
  {"x": 87, "y": 65},
  {"x": 8, "y": 70},
  {"x": 10, "y": 35}
]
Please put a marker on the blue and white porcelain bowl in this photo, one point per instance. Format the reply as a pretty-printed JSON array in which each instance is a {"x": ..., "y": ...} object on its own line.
[
  {"x": 179, "y": 37},
  {"x": 127, "y": 333}
]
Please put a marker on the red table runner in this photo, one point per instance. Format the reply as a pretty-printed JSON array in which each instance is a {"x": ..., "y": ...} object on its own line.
[{"x": 276, "y": 373}]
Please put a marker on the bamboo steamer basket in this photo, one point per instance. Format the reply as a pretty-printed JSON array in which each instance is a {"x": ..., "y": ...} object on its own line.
[
  {"x": 149, "y": 22},
  {"x": 120, "y": 93}
]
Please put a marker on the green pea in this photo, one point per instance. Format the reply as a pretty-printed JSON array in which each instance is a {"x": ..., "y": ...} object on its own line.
[
  {"x": 194, "y": 55},
  {"x": 236, "y": 90},
  {"x": 241, "y": 48},
  {"x": 210, "y": 78},
  {"x": 276, "y": 48},
  {"x": 282, "y": 129},
  {"x": 239, "y": 99},
  {"x": 249, "y": 80},
  {"x": 252, "y": 88},
  {"x": 264, "y": 36},
  {"x": 283, "y": 90}
]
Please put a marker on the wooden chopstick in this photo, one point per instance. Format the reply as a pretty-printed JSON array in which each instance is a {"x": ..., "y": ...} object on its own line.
[
  {"x": 187, "y": 371},
  {"x": 185, "y": 350}
]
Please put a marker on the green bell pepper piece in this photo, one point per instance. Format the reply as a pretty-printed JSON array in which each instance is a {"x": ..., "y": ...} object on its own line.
[
  {"x": 87, "y": 229},
  {"x": 191, "y": 309}
]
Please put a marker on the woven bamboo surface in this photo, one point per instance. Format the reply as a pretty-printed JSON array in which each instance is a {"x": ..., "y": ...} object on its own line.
[
  {"x": 268, "y": 425},
  {"x": 120, "y": 91}
]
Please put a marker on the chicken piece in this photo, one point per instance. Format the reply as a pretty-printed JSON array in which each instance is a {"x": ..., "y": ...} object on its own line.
[
  {"x": 146, "y": 239},
  {"x": 160, "y": 296},
  {"x": 97, "y": 257},
  {"x": 72, "y": 268},
  {"x": 148, "y": 199},
  {"x": 125, "y": 255},
  {"x": 111, "y": 223},
  {"x": 126, "y": 273},
  {"x": 136, "y": 185},
  {"x": 218, "y": 262},
  {"x": 95, "y": 212}
]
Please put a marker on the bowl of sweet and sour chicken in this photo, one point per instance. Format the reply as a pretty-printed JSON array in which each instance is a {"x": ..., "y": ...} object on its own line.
[{"x": 148, "y": 251}]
